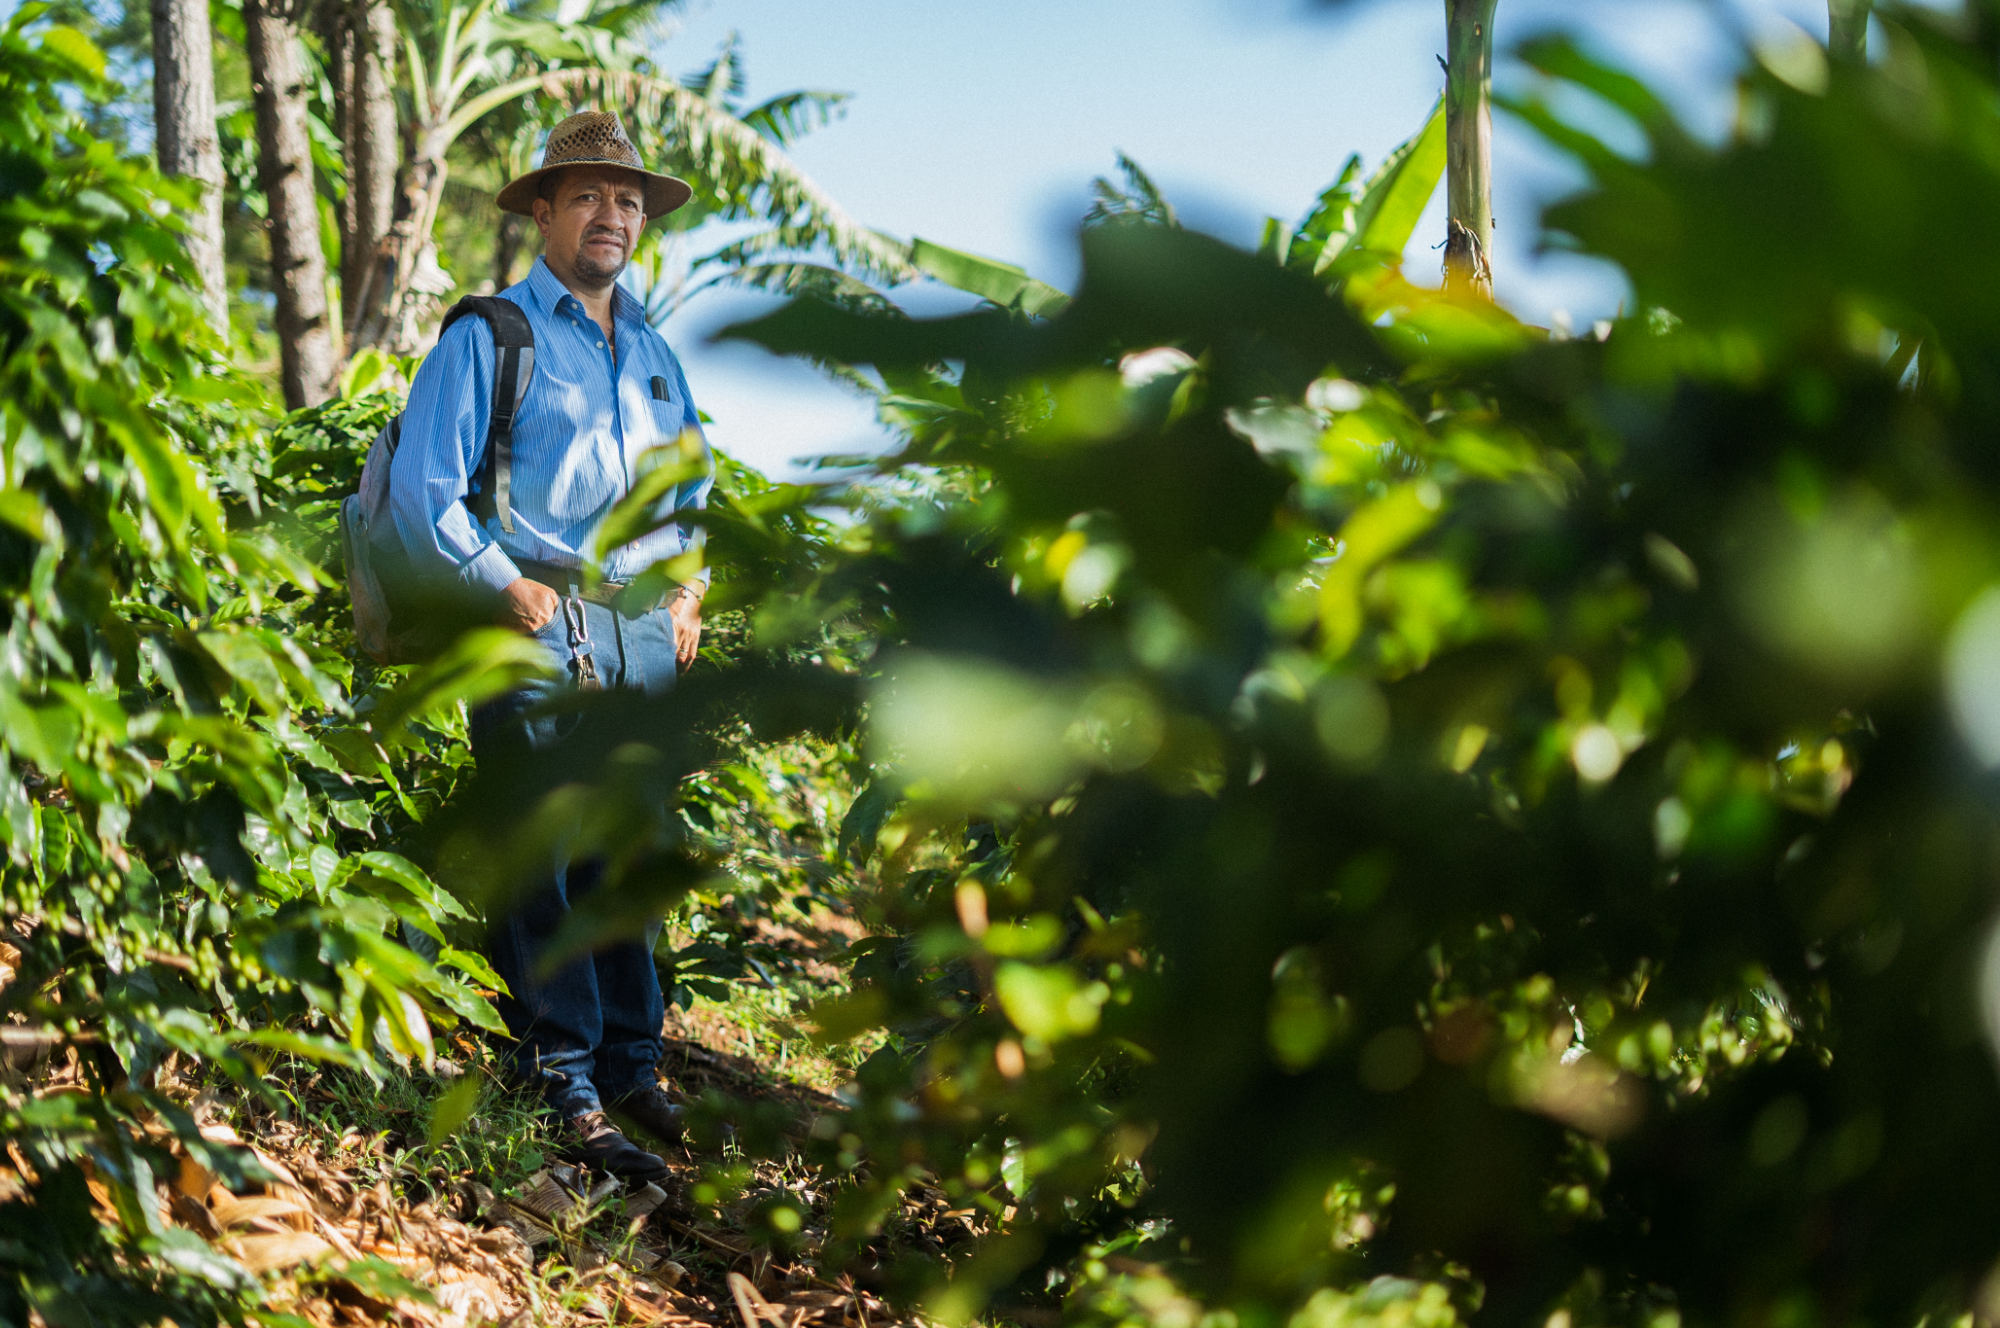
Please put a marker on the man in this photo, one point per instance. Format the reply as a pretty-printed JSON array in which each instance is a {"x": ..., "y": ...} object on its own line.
[{"x": 603, "y": 391}]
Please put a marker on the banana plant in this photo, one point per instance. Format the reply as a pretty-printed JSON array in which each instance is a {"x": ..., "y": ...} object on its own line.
[
  {"x": 1847, "y": 28},
  {"x": 1358, "y": 223},
  {"x": 738, "y": 166},
  {"x": 447, "y": 59},
  {"x": 466, "y": 59},
  {"x": 1468, "y": 99},
  {"x": 1004, "y": 284},
  {"x": 784, "y": 256},
  {"x": 1352, "y": 242}
]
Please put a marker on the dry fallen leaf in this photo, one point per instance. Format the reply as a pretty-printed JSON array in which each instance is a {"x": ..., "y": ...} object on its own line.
[
  {"x": 265, "y": 1253},
  {"x": 644, "y": 1202},
  {"x": 240, "y": 1212},
  {"x": 469, "y": 1299},
  {"x": 750, "y": 1302},
  {"x": 819, "y": 1300},
  {"x": 194, "y": 1215},
  {"x": 638, "y": 1309},
  {"x": 504, "y": 1241},
  {"x": 275, "y": 1167},
  {"x": 217, "y": 1132},
  {"x": 193, "y": 1180}
]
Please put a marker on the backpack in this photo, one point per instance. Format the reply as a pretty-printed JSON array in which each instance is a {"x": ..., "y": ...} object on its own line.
[{"x": 391, "y": 620}]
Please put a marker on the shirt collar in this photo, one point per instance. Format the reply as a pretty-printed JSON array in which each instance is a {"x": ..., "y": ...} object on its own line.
[
  {"x": 545, "y": 286},
  {"x": 549, "y": 293},
  {"x": 625, "y": 306}
]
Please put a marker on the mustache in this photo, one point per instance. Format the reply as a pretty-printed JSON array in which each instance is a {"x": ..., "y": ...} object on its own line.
[{"x": 604, "y": 234}]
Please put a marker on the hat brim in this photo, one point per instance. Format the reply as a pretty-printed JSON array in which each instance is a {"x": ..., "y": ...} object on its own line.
[{"x": 664, "y": 193}]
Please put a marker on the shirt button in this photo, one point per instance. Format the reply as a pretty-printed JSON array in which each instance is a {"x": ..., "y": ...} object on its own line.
[{"x": 600, "y": 345}]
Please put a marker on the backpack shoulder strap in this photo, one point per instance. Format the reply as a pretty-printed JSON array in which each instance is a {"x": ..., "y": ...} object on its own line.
[{"x": 514, "y": 369}]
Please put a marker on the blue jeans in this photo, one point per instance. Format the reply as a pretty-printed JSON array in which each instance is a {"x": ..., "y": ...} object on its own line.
[{"x": 593, "y": 1026}]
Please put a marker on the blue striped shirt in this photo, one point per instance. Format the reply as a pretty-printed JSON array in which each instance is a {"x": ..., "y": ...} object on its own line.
[{"x": 580, "y": 440}]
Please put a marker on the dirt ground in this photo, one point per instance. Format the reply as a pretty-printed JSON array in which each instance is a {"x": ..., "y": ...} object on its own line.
[{"x": 346, "y": 1231}]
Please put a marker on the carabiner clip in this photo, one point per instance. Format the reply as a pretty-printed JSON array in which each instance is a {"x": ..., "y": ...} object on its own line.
[{"x": 581, "y": 657}]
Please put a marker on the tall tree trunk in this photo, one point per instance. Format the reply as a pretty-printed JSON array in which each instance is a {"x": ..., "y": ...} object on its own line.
[
  {"x": 336, "y": 42},
  {"x": 1847, "y": 28},
  {"x": 391, "y": 317},
  {"x": 184, "y": 127},
  {"x": 373, "y": 148},
  {"x": 285, "y": 170},
  {"x": 1468, "y": 100}
]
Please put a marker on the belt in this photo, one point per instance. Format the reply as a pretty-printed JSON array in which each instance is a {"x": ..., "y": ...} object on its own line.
[{"x": 611, "y": 594}]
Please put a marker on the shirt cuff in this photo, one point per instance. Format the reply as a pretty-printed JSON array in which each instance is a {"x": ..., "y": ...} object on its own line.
[{"x": 491, "y": 568}]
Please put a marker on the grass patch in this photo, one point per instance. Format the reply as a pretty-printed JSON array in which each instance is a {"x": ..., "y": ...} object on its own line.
[{"x": 473, "y": 1123}]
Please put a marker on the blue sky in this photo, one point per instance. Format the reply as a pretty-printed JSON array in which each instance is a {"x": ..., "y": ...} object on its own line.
[{"x": 981, "y": 126}]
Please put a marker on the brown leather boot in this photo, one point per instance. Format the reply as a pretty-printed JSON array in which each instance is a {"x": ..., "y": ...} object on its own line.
[
  {"x": 651, "y": 1110},
  {"x": 592, "y": 1140}
]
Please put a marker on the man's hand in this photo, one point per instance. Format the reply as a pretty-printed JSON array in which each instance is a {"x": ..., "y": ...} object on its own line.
[
  {"x": 527, "y": 606},
  {"x": 686, "y": 613}
]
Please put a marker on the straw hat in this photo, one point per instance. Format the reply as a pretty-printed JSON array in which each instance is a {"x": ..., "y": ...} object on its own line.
[{"x": 593, "y": 138}]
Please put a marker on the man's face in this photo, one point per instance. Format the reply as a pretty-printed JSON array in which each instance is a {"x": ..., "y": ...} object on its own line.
[{"x": 591, "y": 225}]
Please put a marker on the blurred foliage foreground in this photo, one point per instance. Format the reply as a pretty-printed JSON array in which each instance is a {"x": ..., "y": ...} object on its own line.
[{"x": 1375, "y": 813}]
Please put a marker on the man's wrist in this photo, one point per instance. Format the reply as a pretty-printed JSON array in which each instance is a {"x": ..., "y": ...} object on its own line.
[{"x": 490, "y": 568}]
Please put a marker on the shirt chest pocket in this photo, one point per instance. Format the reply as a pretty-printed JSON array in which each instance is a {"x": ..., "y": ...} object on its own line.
[{"x": 669, "y": 412}]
